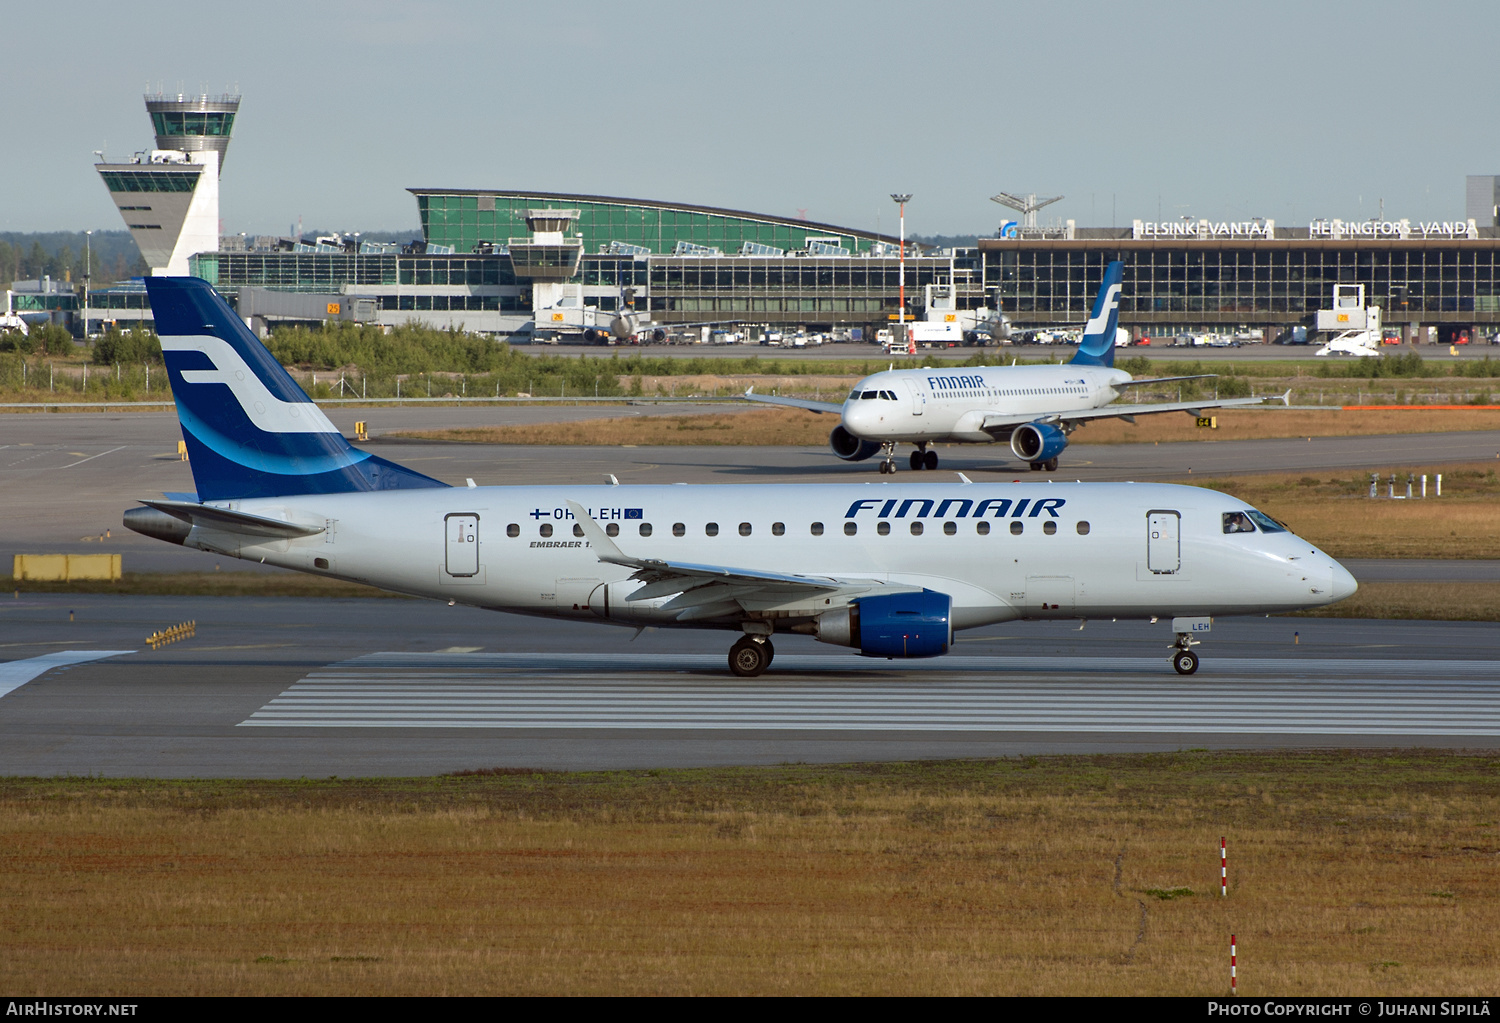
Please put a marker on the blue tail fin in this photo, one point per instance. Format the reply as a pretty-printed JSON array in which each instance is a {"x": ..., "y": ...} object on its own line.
[
  {"x": 250, "y": 430},
  {"x": 1098, "y": 345}
]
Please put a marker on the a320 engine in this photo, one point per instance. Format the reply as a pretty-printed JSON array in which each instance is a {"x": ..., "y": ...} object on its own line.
[
  {"x": 916, "y": 624},
  {"x": 1037, "y": 443},
  {"x": 849, "y": 447}
]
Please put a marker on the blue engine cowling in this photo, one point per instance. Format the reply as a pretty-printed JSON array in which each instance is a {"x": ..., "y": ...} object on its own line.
[
  {"x": 1037, "y": 442},
  {"x": 916, "y": 624},
  {"x": 849, "y": 447}
]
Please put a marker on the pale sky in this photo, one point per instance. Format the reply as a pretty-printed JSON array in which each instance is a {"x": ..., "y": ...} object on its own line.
[{"x": 1288, "y": 110}]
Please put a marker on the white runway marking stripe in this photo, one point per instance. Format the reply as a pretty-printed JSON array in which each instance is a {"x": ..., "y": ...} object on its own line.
[
  {"x": 15, "y": 674},
  {"x": 1066, "y": 694}
]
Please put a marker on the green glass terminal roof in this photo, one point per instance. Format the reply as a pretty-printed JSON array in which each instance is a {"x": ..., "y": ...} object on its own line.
[{"x": 464, "y": 218}]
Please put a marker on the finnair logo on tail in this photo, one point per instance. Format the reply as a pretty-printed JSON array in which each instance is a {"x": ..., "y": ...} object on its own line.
[
  {"x": 264, "y": 409},
  {"x": 1111, "y": 302}
]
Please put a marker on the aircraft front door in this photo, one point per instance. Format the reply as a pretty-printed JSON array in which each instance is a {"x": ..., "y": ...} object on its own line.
[
  {"x": 918, "y": 399},
  {"x": 462, "y": 554},
  {"x": 1163, "y": 542}
]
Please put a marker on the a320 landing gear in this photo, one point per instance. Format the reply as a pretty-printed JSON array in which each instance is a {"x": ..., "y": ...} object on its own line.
[
  {"x": 1050, "y": 465},
  {"x": 924, "y": 458},
  {"x": 888, "y": 457},
  {"x": 751, "y": 656}
]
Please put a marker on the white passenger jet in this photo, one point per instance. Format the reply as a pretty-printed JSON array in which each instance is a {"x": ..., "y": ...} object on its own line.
[
  {"x": 890, "y": 571},
  {"x": 1035, "y": 408}
]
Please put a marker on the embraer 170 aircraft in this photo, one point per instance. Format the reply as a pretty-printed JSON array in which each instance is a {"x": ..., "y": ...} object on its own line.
[
  {"x": 891, "y": 571},
  {"x": 1035, "y": 408}
]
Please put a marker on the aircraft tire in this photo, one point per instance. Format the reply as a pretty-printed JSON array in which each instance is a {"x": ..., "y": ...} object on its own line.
[
  {"x": 747, "y": 658},
  {"x": 1050, "y": 465},
  {"x": 930, "y": 459},
  {"x": 916, "y": 460},
  {"x": 1185, "y": 661},
  {"x": 1036, "y": 466}
]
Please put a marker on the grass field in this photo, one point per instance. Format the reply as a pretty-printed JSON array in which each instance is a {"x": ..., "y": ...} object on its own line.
[{"x": 1350, "y": 874}]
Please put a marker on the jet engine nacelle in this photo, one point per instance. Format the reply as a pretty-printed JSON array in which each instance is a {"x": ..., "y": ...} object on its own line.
[
  {"x": 1037, "y": 442},
  {"x": 849, "y": 447},
  {"x": 918, "y": 624}
]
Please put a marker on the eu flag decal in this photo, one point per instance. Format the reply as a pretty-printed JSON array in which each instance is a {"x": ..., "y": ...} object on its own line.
[{"x": 632, "y": 513}]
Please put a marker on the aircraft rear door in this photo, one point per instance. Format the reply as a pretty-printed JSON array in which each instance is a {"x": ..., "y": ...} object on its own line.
[
  {"x": 918, "y": 399},
  {"x": 1163, "y": 541},
  {"x": 462, "y": 546}
]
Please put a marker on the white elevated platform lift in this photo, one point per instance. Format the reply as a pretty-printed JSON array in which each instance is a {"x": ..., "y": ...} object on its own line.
[{"x": 1357, "y": 325}]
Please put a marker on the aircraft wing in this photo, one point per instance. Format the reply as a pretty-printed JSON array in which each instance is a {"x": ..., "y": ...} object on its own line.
[
  {"x": 1162, "y": 380},
  {"x": 1002, "y": 423},
  {"x": 710, "y": 591},
  {"x": 811, "y": 406}
]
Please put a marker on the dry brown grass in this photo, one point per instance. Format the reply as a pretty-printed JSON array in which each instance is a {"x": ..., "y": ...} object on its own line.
[
  {"x": 1334, "y": 511},
  {"x": 1427, "y": 601},
  {"x": 205, "y": 584},
  {"x": 791, "y": 427},
  {"x": 1351, "y": 874}
]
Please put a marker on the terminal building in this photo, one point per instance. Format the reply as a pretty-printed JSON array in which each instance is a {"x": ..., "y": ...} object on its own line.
[{"x": 529, "y": 265}]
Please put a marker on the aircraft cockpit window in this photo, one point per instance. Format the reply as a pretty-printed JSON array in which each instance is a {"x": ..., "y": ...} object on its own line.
[
  {"x": 1238, "y": 522},
  {"x": 871, "y": 394},
  {"x": 854, "y": 395},
  {"x": 1265, "y": 522}
]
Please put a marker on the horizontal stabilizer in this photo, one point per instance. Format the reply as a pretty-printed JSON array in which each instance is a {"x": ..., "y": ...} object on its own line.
[{"x": 205, "y": 517}]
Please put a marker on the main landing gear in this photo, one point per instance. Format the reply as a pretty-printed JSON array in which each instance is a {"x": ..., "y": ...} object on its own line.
[
  {"x": 924, "y": 458},
  {"x": 751, "y": 656},
  {"x": 1050, "y": 465}
]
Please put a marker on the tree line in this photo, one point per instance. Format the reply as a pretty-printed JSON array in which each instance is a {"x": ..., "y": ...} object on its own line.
[{"x": 64, "y": 255}]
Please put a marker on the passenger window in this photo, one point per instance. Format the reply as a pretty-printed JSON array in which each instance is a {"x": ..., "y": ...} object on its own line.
[
  {"x": 778, "y": 528},
  {"x": 982, "y": 528},
  {"x": 1238, "y": 522},
  {"x": 546, "y": 529},
  {"x": 712, "y": 529},
  {"x": 577, "y": 529},
  {"x": 916, "y": 528},
  {"x": 884, "y": 529},
  {"x": 512, "y": 530},
  {"x": 645, "y": 529},
  {"x": 1083, "y": 528},
  {"x": 817, "y": 529},
  {"x": 1049, "y": 527},
  {"x": 744, "y": 529},
  {"x": 613, "y": 529},
  {"x": 1016, "y": 527},
  {"x": 850, "y": 528},
  {"x": 951, "y": 528},
  {"x": 678, "y": 529}
]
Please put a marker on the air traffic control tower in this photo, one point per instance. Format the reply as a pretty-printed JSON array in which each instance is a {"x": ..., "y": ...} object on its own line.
[{"x": 169, "y": 196}]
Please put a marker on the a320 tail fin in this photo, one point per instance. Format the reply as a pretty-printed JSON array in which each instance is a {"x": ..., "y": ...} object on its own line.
[
  {"x": 250, "y": 430},
  {"x": 1098, "y": 345}
]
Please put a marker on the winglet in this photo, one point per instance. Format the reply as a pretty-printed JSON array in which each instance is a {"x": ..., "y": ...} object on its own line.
[
  {"x": 1286, "y": 399},
  {"x": 608, "y": 552}
]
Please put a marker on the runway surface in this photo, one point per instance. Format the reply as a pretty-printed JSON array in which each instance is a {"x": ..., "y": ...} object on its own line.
[{"x": 290, "y": 688}]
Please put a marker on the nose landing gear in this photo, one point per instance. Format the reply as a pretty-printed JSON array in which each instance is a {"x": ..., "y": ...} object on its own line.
[
  {"x": 888, "y": 457},
  {"x": 1184, "y": 661}
]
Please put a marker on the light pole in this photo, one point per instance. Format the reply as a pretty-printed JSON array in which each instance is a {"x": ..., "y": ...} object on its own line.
[
  {"x": 901, "y": 199},
  {"x": 88, "y": 272}
]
